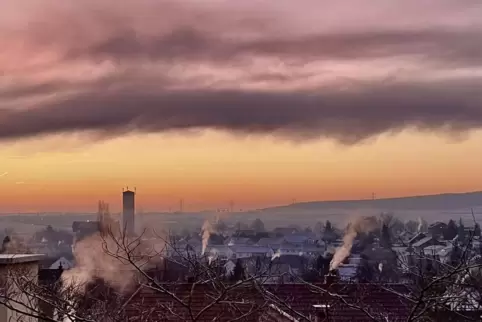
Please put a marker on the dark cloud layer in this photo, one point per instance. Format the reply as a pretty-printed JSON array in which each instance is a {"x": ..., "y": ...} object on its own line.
[
  {"x": 344, "y": 116},
  {"x": 453, "y": 47},
  {"x": 138, "y": 92}
]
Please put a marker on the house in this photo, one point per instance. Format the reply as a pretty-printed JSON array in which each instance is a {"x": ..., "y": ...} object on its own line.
[
  {"x": 405, "y": 236},
  {"x": 168, "y": 270},
  {"x": 83, "y": 229},
  {"x": 293, "y": 264},
  {"x": 374, "y": 256},
  {"x": 246, "y": 251},
  {"x": 438, "y": 255},
  {"x": 437, "y": 229},
  {"x": 220, "y": 251},
  {"x": 239, "y": 241},
  {"x": 62, "y": 263},
  {"x": 299, "y": 239},
  {"x": 16, "y": 304},
  {"x": 329, "y": 236},
  {"x": 289, "y": 249},
  {"x": 289, "y": 302},
  {"x": 269, "y": 242},
  {"x": 250, "y": 233},
  {"x": 53, "y": 261},
  {"x": 348, "y": 271},
  {"x": 416, "y": 238},
  {"x": 313, "y": 250},
  {"x": 424, "y": 242},
  {"x": 180, "y": 249},
  {"x": 283, "y": 231}
]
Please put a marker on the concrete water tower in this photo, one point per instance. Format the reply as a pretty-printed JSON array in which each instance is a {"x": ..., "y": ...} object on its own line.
[{"x": 128, "y": 212}]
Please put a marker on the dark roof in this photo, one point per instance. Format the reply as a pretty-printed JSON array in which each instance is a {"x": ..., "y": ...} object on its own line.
[
  {"x": 49, "y": 260},
  {"x": 438, "y": 224},
  {"x": 350, "y": 300},
  {"x": 379, "y": 253},
  {"x": 148, "y": 305},
  {"x": 294, "y": 261},
  {"x": 285, "y": 230},
  {"x": 427, "y": 241},
  {"x": 416, "y": 238},
  {"x": 90, "y": 226},
  {"x": 370, "y": 299}
]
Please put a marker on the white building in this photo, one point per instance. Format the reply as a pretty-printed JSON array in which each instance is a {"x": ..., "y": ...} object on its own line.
[{"x": 12, "y": 268}]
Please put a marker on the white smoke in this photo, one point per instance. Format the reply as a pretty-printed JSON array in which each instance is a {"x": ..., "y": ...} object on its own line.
[
  {"x": 101, "y": 257},
  {"x": 213, "y": 255},
  {"x": 276, "y": 255},
  {"x": 206, "y": 231},
  {"x": 93, "y": 262},
  {"x": 360, "y": 225},
  {"x": 422, "y": 225},
  {"x": 380, "y": 267}
]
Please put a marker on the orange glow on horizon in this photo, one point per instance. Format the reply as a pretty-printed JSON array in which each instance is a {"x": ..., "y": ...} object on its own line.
[{"x": 210, "y": 169}]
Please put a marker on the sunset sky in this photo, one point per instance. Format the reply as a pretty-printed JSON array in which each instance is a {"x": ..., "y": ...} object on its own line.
[{"x": 260, "y": 102}]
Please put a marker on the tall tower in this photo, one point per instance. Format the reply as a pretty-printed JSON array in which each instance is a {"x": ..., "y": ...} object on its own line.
[{"x": 128, "y": 212}]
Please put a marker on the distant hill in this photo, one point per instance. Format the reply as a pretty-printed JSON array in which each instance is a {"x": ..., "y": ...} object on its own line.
[{"x": 446, "y": 201}]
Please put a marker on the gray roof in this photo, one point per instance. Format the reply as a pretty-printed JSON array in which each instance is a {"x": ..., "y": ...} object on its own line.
[
  {"x": 437, "y": 223},
  {"x": 269, "y": 241},
  {"x": 422, "y": 241},
  {"x": 238, "y": 241},
  {"x": 417, "y": 236},
  {"x": 250, "y": 249},
  {"x": 296, "y": 238},
  {"x": 293, "y": 261}
]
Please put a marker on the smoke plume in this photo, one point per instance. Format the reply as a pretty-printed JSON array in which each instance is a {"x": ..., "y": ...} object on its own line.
[
  {"x": 422, "y": 225},
  {"x": 360, "y": 225},
  {"x": 380, "y": 267},
  {"x": 100, "y": 257},
  {"x": 206, "y": 231},
  {"x": 277, "y": 254}
]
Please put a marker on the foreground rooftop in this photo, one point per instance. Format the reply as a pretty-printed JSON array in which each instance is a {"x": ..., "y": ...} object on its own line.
[{"x": 19, "y": 258}]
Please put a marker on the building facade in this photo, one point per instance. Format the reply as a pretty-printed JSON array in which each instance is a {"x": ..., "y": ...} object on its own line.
[{"x": 18, "y": 271}]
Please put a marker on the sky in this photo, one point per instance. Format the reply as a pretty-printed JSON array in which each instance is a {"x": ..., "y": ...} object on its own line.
[{"x": 261, "y": 102}]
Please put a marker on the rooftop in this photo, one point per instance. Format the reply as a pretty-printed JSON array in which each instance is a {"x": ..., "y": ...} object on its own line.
[
  {"x": 20, "y": 258},
  {"x": 423, "y": 241},
  {"x": 382, "y": 302}
]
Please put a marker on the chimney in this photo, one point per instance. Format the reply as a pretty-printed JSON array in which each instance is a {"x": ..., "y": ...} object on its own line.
[{"x": 332, "y": 277}]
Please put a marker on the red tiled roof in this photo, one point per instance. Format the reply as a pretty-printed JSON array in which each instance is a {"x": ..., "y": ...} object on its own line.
[
  {"x": 377, "y": 301},
  {"x": 153, "y": 305},
  {"x": 346, "y": 302}
]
